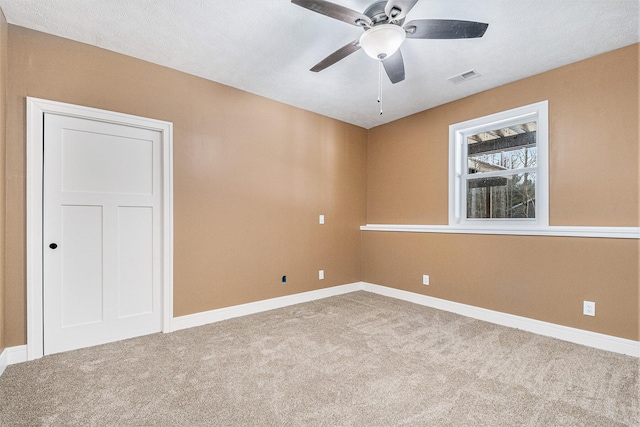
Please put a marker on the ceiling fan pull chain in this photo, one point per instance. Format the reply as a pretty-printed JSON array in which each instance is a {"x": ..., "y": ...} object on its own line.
[{"x": 380, "y": 85}]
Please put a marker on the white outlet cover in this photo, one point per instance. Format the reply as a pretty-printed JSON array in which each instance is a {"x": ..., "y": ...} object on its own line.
[
  {"x": 589, "y": 308},
  {"x": 321, "y": 219},
  {"x": 425, "y": 279},
  {"x": 321, "y": 274}
]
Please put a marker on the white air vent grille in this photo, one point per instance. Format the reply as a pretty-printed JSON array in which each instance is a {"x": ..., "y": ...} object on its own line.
[{"x": 463, "y": 77}]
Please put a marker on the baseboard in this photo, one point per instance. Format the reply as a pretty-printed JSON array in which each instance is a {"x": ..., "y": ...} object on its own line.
[
  {"x": 212, "y": 316},
  {"x": 565, "y": 333},
  {"x": 17, "y": 354},
  {"x": 3, "y": 361},
  {"x": 12, "y": 355}
]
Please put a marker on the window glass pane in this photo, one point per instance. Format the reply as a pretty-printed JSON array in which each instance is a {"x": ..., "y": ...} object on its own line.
[
  {"x": 508, "y": 196},
  {"x": 513, "y": 147}
]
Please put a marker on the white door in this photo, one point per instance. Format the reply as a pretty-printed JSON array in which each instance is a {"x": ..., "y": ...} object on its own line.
[{"x": 102, "y": 232}]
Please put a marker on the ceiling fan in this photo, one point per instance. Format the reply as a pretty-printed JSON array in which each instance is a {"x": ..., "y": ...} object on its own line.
[{"x": 385, "y": 31}]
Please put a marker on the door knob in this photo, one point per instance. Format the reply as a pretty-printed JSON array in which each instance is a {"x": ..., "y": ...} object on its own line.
[{"x": 53, "y": 246}]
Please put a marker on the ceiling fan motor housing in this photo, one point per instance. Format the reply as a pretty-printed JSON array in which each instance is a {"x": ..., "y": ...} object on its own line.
[{"x": 377, "y": 14}]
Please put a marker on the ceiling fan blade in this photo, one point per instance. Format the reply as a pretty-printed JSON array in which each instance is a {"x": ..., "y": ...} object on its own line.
[
  {"x": 398, "y": 9},
  {"x": 336, "y": 56},
  {"x": 335, "y": 11},
  {"x": 444, "y": 29},
  {"x": 394, "y": 66}
]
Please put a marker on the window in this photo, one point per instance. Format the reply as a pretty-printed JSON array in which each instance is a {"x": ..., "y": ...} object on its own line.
[{"x": 498, "y": 170}]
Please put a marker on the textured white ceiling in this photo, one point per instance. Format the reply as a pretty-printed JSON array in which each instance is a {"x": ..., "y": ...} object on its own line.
[{"x": 266, "y": 47}]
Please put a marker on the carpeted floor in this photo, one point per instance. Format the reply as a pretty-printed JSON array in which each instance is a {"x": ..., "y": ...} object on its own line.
[{"x": 354, "y": 360}]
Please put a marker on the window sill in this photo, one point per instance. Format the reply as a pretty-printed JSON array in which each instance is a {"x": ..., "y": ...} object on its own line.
[{"x": 559, "y": 231}]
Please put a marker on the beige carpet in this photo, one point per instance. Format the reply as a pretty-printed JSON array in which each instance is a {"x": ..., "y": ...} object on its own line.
[{"x": 354, "y": 360}]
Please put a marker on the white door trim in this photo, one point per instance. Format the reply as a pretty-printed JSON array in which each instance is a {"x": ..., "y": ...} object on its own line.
[{"x": 36, "y": 108}]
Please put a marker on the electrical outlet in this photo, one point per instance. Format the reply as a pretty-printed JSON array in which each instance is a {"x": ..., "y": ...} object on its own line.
[
  {"x": 321, "y": 219},
  {"x": 284, "y": 279},
  {"x": 425, "y": 279},
  {"x": 589, "y": 308},
  {"x": 321, "y": 274}
]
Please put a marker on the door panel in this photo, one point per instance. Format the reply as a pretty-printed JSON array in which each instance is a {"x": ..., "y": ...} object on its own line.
[
  {"x": 135, "y": 261},
  {"x": 106, "y": 163},
  {"x": 81, "y": 273},
  {"x": 102, "y": 207}
]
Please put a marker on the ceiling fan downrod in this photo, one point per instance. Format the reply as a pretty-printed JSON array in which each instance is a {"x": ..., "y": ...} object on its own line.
[{"x": 380, "y": 84}]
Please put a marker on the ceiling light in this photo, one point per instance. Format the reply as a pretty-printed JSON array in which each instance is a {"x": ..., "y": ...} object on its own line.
[{"x": 382, "y": 40}]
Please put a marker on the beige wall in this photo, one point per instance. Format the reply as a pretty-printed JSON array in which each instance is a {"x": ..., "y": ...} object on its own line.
[
  {"x": 3, "y": 102},
  {"x": 251, "y": 176},
  {"x": 593, "y": 108}
]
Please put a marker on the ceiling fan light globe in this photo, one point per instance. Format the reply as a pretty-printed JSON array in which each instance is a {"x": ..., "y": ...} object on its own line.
[{"x": 382, "y": 41}]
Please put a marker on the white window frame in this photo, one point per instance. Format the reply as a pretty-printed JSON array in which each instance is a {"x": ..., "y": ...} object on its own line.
[{"x": 458, "y": 134}]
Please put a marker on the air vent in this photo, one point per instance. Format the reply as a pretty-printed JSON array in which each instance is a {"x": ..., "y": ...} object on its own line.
[{"x": 463, "y": 77}]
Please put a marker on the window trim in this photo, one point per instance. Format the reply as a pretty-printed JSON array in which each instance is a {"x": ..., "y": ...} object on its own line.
[{"x": 457, "y": 149}]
